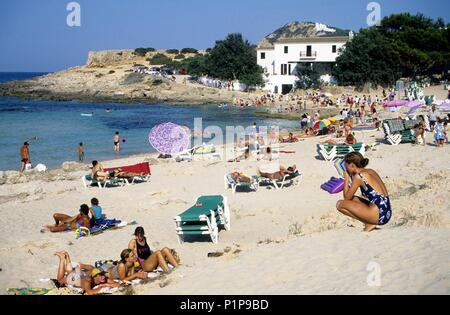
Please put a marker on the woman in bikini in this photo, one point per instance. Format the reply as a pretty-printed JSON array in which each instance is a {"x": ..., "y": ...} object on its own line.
[
  {"x": 148, "y": 259},
  {"x": 71, "y": 274},
  {"x": 375, "y": 208},
  {"x": 125, "y": 269},
  {"x": 97, "y": 171},
  {"x": 64, "y": 222}
]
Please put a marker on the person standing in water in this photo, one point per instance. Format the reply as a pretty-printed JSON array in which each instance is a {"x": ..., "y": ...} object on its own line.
[
  {"x": 24, "y": 156},
  {"x": 116, "y": 142},
  {"x": 80, "y": 152}
]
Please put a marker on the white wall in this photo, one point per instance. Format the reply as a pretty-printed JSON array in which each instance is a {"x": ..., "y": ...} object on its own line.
[{"x": 276, "y": 57}]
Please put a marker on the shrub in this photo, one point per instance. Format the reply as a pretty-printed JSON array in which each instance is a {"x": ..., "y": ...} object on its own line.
[
  {"x": 157, "y": 82},
  {"x": 159, "y": 59},
  {"x": 111, "y": 71},
  {"x": 189, "y": 51},
  {"x": 180, "y": 56},
  {"x": 142, "y": 51},
  {"x": 173, "y": 51}
]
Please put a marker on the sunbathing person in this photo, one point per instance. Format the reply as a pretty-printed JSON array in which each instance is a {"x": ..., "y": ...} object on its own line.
[
  {"x": 279, "y": 174},
  {"x": 97, "y": 280},
  {"x": 124, "y": 270},
  {"x": 97, "y": 171},
  {"x": 71, "y": 274},
  {"x": 290, "y": 139},
  {"x": 240, "y": 177},
  {"x": 119, "y": 173},
  {"x": 350, "y": 139},
  {"x": 148, "y": 259},
  {"x": 376, "y": 208},
  {"x": 64, "y": 222}
]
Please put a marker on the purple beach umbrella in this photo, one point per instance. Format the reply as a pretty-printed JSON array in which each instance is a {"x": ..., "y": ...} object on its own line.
[{"x": 169, "y": 138}]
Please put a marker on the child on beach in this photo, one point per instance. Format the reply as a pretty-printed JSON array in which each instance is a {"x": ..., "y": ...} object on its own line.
[
  {"x": 439, "y": 132},
  {"x": 420, "y": 133},
  {"x": 96, "y": 211},
  {"x": 80, "y": 152}
]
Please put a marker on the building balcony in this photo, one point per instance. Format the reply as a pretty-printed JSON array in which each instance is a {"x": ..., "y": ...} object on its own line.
[{"x": 308, "y": 55}]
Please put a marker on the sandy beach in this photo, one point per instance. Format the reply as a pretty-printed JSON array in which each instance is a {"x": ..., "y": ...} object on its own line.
[{"x": 289, "y": 241}]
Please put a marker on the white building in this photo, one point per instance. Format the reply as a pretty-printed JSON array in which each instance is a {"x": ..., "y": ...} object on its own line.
[{"x": 280, "y": 59}]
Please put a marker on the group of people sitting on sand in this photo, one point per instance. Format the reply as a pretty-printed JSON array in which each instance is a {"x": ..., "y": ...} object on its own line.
[
  {"x": 135, "y": 262},
  {"x": 65, "y": 222}
]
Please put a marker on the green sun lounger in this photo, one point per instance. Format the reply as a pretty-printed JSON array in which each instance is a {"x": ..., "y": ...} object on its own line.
[
  {"x": 231, "y": 183},
  {"x": 89, "y": 181},
  {"x": 204, "y": 218},
  {"x": 331, "y": 151}
]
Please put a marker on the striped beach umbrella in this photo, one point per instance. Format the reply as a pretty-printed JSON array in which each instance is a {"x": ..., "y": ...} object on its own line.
[{"x": 321, "y": 124}]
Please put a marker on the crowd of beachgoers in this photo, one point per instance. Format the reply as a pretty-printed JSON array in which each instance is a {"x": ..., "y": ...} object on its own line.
[{"x": 373, "y": 208}]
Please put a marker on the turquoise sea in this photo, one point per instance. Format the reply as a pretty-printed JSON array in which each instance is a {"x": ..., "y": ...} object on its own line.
[{"x": 54, "y": 129}]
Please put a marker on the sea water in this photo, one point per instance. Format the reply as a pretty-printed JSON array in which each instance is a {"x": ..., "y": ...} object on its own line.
[{"x": 54, "y": 129}]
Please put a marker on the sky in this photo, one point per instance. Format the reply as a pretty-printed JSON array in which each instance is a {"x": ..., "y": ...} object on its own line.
[{"x": 34, "y": 35}]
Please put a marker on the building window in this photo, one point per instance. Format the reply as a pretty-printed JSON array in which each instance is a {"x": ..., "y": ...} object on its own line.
[
  {"x": 285, "y": 49},
  {"x": 289, "y": 69},
  {"x": 308, "y": 51},
  {"x": 284, "y": 69},
  {"x": 334, "y": 49},
  {"x": 263, "y": 55}
]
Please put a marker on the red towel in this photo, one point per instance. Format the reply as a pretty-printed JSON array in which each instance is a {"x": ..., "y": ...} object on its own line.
[{"x": 137, "y": 168}]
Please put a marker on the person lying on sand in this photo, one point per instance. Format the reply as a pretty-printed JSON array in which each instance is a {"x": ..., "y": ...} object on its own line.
[
  {"x": 279, "y": 174},
  {"x": 64, "y": 222},
  {"x": 148, "y": 259},
  {"x": 80, "y": 275},
  {"x": 290, "y": 139},
  {"x": 375, "y": 208}
]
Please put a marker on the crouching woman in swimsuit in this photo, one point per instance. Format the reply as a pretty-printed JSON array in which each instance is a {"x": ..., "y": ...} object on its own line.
[{"x": 376, "y": 208}]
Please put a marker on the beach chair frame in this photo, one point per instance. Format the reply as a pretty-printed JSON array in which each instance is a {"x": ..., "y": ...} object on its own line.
[
  {"x": 280, "y": 183},
  {"x": 92, "y": 182},
  {"x": 230, "y": 183}
]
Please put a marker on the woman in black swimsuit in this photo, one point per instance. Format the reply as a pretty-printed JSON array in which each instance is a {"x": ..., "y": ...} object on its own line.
[{"x": 148, "y": 259}]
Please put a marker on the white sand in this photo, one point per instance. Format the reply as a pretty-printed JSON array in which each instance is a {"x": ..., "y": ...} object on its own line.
[{"x": 291, "y": 241}]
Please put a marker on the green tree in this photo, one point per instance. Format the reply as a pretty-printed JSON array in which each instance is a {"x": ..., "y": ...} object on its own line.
[
  {"x": 142, "y": 51},
  {"x": 369, "y": 57},
  {"x": 234, "y": 59},
  {"x": 159, "y": 59},
  {"x": 308, "y": 76},
  {"x": 404, "y": 45}
]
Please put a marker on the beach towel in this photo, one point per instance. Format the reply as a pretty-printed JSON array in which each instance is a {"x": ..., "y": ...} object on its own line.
[
  {"x": 28, "y": 291},
  {"x": 100, "y": 226}
]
